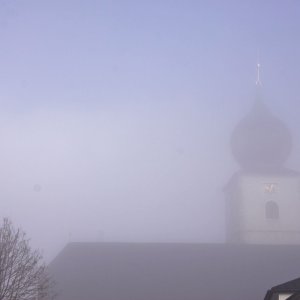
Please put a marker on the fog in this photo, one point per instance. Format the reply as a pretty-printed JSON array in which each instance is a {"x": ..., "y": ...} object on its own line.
[{"x": 116, "y": 116}]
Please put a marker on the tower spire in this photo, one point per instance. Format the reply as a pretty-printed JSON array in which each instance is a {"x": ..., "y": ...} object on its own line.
[{"x": 258, "y": 82}]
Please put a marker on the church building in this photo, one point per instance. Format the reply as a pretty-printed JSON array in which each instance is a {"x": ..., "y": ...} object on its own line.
[
  {"x": 263, "y": 197},
  {"x": 263, "y": 236}
]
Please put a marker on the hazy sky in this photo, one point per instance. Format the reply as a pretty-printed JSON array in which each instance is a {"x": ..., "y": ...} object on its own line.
[{"x": 116, "y": 116}]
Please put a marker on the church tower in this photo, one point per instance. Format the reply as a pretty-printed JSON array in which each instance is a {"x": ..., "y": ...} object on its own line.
[{"x": 263, "y": 197}]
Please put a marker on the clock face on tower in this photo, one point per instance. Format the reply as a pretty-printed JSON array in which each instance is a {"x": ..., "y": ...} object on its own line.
[{"x": 270, "y": 187}]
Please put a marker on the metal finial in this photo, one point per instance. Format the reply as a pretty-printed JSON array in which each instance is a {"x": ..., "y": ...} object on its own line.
[{"x": 258, "y": 82}]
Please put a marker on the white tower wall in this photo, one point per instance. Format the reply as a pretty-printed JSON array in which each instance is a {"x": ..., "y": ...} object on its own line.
[{"x": 266, "y": 209}]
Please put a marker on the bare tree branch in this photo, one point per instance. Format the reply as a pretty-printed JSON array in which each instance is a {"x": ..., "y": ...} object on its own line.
[{"x": 23, "y": 275}]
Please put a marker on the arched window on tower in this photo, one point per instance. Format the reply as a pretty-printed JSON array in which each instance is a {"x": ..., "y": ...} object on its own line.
[{"x": 272, "y": 210}]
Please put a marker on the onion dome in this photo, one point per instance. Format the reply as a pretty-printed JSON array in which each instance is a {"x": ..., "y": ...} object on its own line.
[{"x": 261, "y": 140}]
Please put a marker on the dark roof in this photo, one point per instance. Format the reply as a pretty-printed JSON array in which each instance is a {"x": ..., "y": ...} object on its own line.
[
  {"x": 294, "y": 297},
  {"x": 124, "y": 271},
  {"x": 290, "y": 286}
]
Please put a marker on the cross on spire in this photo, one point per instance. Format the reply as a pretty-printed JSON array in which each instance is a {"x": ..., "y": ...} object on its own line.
[{"x": 258, "y": 82}]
